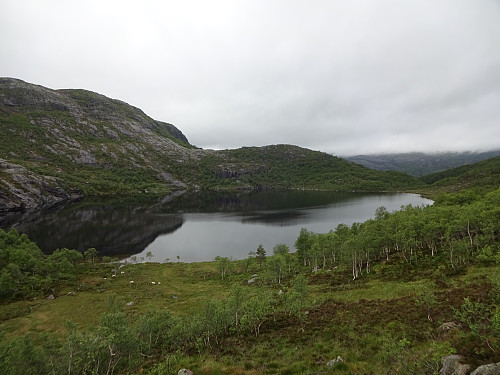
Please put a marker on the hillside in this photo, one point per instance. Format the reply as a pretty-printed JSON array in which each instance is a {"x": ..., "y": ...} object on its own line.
[
  {"x": 61, "y": 145},
  {"x": 484, "y": 174},
  {"x": 419, "y": 164}
]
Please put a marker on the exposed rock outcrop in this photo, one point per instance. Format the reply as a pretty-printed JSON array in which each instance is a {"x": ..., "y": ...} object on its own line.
[
  {"x": 490, "y": 369},
  {"x": 59, "y": 130},
  {"x": 24, "y": 191},
  {"x": 453, "y": 365}
]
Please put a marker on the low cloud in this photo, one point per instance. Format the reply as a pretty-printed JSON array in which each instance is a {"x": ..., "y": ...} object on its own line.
[{"x": 340, "y": 77}]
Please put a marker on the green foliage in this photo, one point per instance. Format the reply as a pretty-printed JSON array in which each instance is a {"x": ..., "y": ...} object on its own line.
[
  {"x": 25, "y": 271},
  {"x": 295, "y": 299},
  {"x": 155, "y": 330},
  {"x": 459, "y": 233},
  {"x": 260, "y": 255},
  {"x": 292, "y": 167},
  {"x": 91, "y": 254},
  {"x": 484, "y": 174},
  {"x": 303, "y": 244},
  {"x": 281, "y": 249},
  {"x": 224, "y": 265},
  {"x": 488, "y": 255},
  {"x": 474, "y": 315},
  {"x": 427, "y": 299},
  {"x": 22, "y": 356},
  {"x": 276, "y": 265}
]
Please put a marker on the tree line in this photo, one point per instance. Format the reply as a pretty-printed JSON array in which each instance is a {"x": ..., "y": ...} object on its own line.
[{"x": 459, "y": 228}]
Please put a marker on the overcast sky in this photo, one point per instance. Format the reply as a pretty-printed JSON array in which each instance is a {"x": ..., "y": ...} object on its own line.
[{"x": 345, "y": 77}]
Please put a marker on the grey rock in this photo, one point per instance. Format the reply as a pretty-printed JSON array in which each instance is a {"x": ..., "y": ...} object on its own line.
[
  {"x": 25, "y": 191},
  {"x": 184, "y": 371},
  {"x": 452, "y": 365},
  {"x": 448, "y": 326},
  {"x": 64, "y": 117},
  {"x": 130, "y": 303},
  {"x": 490, "y": 369},
  {"x": 251, "y": 281},
  {"x": 51, "y": 297}
]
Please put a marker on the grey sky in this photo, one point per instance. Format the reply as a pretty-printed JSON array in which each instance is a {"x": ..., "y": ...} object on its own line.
[{"x": 345, "y": 77}]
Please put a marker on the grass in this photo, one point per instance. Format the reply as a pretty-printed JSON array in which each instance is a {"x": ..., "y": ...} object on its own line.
[
  {"x": 367, "y": 322},
  {"x": 184, "y": 287}
]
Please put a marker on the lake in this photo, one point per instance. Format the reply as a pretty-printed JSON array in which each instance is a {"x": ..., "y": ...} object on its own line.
[{"x": 193, "y": 227}]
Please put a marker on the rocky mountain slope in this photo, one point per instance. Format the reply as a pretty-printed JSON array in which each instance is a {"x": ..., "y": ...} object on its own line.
[
  {"x": 54, "y": 143},
  {"x": 419, "y": 164},
  {"x": 60, "y": 145}
]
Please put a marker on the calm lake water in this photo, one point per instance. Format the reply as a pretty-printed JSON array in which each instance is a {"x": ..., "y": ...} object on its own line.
[{"x": 201, "y": 226}]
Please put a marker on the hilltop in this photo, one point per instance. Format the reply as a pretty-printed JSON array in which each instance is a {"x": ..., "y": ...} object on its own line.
[{"x": 61, "y": 145}]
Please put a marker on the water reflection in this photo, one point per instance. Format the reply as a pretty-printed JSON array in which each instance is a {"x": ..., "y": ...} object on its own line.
[
  {"x": 199, "y": 226},
  {"x": 111, "y": 230},
  {"x": 280, "y": 218}
]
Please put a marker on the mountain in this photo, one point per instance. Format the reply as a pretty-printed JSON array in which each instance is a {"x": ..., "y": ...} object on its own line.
[
  {"x": 57, "y": 146},
  {"x": 419, "y": 164}
]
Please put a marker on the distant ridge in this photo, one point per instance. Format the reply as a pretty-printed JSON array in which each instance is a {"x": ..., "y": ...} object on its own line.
[{"x": 420, "y": 164}]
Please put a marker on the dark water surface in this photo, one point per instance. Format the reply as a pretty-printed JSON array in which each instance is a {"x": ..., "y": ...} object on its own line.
[{"x": 201, "y": 226}]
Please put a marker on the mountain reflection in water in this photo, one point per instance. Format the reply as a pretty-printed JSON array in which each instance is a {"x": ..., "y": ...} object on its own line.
[
  {"x": 200, "y": 226},
  {"x": 283, "y": 218}
]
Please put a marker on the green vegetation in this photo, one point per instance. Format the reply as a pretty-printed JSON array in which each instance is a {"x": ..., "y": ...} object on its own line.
[
  {"x": 375, "y": 293},
  {"x": 292, "y": 167},
  {"x": 26, "y": 272},
  {"x": 484, "y": 175}
]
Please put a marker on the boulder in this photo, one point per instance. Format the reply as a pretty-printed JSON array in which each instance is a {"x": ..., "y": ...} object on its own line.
[
  {"x": 491, "y": 369},
  {"x": 251, "y": 281},
  {"x": 51, "y": 297},
  {"x": 184, "y": 371},
  {"x": 448, "y": 326},
  {"x": 452, "y": 365},
  {"x": 130, "y": 303}
]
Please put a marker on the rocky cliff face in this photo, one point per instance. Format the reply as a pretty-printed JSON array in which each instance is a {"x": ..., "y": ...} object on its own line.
[
  {"x": 26, "y": 191},
  {"x": 48, "y": 135}
]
